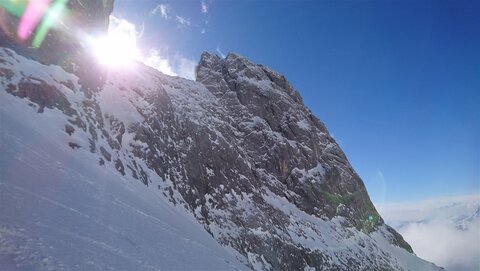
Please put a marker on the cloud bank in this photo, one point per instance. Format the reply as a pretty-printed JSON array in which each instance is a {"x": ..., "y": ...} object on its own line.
[{"x": 445, "y": 231}]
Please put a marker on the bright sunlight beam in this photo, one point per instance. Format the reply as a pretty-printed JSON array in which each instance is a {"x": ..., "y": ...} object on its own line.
[{"x": 119, "y": 48}]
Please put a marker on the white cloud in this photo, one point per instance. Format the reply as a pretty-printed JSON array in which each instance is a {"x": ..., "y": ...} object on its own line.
[
  {"x": 184, "y": 66},
  {"x": 204, "y": 7},
  {"x": 166, "y": 13},
  {"x": 155, "y": 60},
  {"x": 123, "y": 27},
  {"x": 443, "y": 244},
  {"x": 182, "y": 20},
  {"x": 164, "y": 10},
  {"x": 445, "y": 230},
  {"x": 418, "y": 210},
  {"x": 175, "y": 65}
]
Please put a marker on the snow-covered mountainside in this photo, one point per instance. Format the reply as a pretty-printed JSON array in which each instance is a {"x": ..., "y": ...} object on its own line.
[
  {"x": 61, "y": 210},
  {"x": 147, "y": 171},
  {"x": 130, "y": 169}
]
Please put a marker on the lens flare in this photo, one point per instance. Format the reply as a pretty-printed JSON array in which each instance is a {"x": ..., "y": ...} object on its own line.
[
  {"x": 32, "y": 13},
  {"x": 53, "y": 15},
  {"x": 38, "y": 17},
  {"x": 14, "y": 7},
  {"x": 30, "y": 18}
]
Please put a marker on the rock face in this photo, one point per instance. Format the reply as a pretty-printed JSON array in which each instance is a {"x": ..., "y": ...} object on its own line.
[
  {"x": 237, "y": 149},
  {"x": 285, "y": 142}
]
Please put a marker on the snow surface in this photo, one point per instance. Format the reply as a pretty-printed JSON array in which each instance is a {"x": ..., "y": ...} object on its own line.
[
  {"x": 303, "y": 124},
  {"x": 329, "y": 236}
]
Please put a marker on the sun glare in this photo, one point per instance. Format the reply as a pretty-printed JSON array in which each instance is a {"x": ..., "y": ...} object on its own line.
[
  {"x": 119, "y": 48},
  {"x": 115, "y": 51}
]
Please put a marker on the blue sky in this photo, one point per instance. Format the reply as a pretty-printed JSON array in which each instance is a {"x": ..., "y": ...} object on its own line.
[{"x": 396, "y": 82}]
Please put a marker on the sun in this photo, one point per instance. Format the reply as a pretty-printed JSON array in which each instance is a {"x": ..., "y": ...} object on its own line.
[
  {"x": 115, "y": 50},
  {"x": 118, "y": 49}
]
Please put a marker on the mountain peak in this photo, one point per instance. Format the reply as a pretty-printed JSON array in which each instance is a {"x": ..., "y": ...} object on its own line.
[
  {"x": 235, "y": 69},
  {"x": 235, "y": 56}
]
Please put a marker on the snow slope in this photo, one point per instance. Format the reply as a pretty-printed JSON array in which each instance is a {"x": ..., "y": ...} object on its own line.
[{"x": 60, "y": 210}]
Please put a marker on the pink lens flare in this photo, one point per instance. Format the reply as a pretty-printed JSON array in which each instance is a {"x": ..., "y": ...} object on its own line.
[{"x": 31, "y": 17}]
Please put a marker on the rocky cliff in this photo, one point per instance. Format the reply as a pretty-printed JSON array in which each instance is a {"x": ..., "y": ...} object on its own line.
[{"x": 236, "y": 149}]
